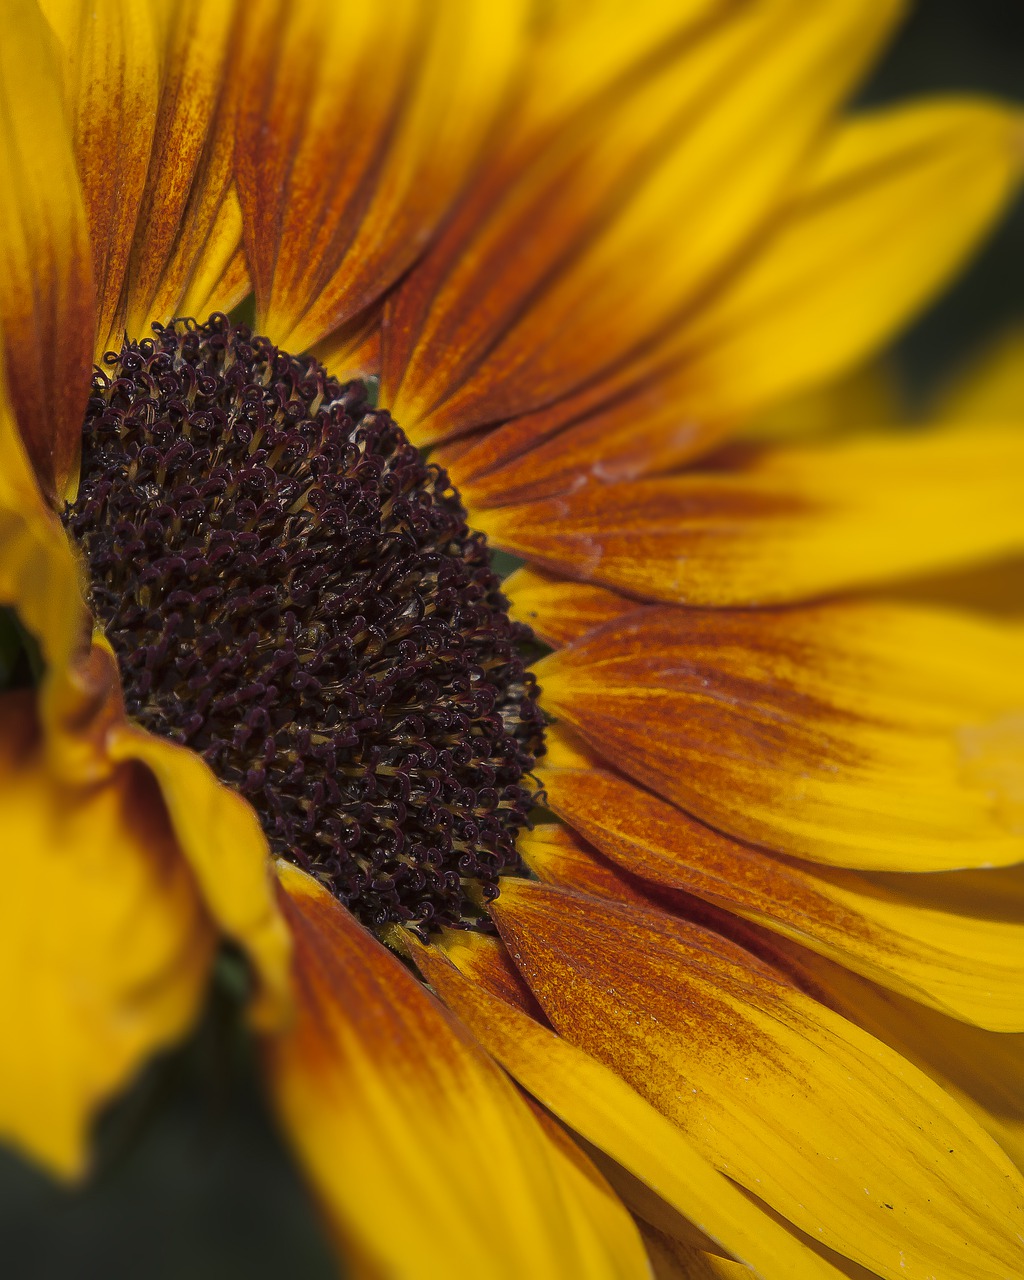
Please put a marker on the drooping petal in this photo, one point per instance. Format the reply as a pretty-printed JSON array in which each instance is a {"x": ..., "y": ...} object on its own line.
[
  {"x": 414, "y": 88},
  {"x": 955, "y": 957},
  {"x": 611, "y": 1115},
  {"x": 628, "y": 209},
  {"x": 221, "y": 839},
  {"x": 857, "y": 734},
  {"x": 46, "y": 302},
  {"x": 791, "y": 524},
  {"x": 561, "y": 611},
  {"x": 104, "y": 943},
  {"x": 418, "y": 1147},
  {"x": 895, "y": 203},
  {"x": 826, "y": 1124},
  {"x": 153, "y": 127}
]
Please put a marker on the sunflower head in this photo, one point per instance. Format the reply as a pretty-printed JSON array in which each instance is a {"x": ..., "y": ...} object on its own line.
[{"x": 294, "y": 594}]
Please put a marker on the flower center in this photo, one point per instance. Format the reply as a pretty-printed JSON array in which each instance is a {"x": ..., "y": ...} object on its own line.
[{"x": 294, "y": 594}]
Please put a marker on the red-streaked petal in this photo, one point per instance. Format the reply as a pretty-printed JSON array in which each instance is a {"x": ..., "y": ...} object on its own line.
[
  {"x": 152, "y": 117},
  {"x": 798, "y": 1105},
  {"x": 960, "y": 959},
  {"x": 607, "y": 1112},
  {"x": 414, "y": 88},
  {"x": 790, "y": 524},
  {"x": 46, "y": 302},
  {"x": 564, "y": 265},
  {"x": 418, "y": 1147},
  {"x": 858, "y": 734}
]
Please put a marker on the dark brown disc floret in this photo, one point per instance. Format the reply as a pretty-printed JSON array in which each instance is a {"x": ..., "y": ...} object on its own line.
[{"x": 293, "y": 593}]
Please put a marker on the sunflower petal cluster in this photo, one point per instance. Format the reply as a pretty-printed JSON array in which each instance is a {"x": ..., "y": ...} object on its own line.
[{"x": 758, "y": 1008}]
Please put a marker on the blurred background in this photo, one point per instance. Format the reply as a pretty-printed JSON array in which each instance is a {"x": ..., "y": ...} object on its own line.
[{"x": 192, "y": 1180}]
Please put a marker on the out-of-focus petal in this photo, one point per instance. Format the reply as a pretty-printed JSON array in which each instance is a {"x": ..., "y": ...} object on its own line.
[
  {"x": 798, "y": 1105},
  {"x": 790, "y": 524},
  {"x": 46, "y": 302},
  {"x": 890, "y": 211},
  {"x": 858, "y": 734},
  {"x": 104, "y": 942},
  {"x": 611, "y": 1115},
  {"x": 414, "y": 88},
  {"x": 417, "y": 1146},
  {"x": 991, "y": 389}
]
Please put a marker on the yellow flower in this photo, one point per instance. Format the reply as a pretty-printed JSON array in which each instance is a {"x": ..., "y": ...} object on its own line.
[{"x": 579, "y": 246}]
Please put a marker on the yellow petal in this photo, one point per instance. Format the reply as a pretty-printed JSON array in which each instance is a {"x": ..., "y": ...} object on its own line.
[
  {"x": 981, "y": 1069},
  {"x": 414, "y": 88},
  {"x": 674, "y": 1260},
  {"x": 104, "y": 944},
  {"x": 622, "y": 216},
  {"x": 858, "y": 734},
  {"x": 894, "y": 205},
  {"x": 613, "y": 1117},
  {"x": 605, "y": 1214},
  {"x": 826, "y": 1124},
  {"x": 221, "y": 839},
  {"x": 991, "y": 388},
  {"x": 46, "y": 303},
  {"x": 146, "y": 83},
  {"x": 38, "y": 575},
  {"x": 418, "y": 1147},
  {"x": 958, "y": 957},
  {"x": 870, "y": 396},
  {"x": 791, "y": 524}
]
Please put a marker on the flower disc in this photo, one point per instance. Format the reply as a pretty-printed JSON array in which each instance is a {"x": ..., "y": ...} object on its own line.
[{"x": 293, "y": 593}]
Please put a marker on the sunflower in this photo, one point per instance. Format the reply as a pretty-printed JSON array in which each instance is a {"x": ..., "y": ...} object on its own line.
[{"x": 652, "y": 909}]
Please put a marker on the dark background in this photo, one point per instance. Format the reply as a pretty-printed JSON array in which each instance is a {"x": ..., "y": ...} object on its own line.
[{"x": 192, "y": 1180}]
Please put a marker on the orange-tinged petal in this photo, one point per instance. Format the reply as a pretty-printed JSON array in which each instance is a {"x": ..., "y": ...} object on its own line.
[
  {"x": 828, "y": 1125},
  {"x": 414, "y": 88},
  {"x": 46, "y": 303},
  {"x": 189, "y": 227},
  {"x": 560, "y": 611},
  {"x": 488, "y": 963},
  {"x": 611, "y": 1115},
  {"x": 153, "y": 124},
  {"x": 790, "y": 524},
  {"x": 110, "y": 55},
  {"x": 628, "y": 210},
  {"x": 954, "y": 957},
  {"x": 859, "y": 734},
  {"x": 104, "y": 944},
  {"x": 221, "y": 839},
  {"x": 892, "y": 208},
  {"x": 417, "y": 1146}
]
